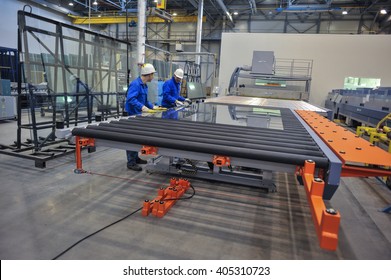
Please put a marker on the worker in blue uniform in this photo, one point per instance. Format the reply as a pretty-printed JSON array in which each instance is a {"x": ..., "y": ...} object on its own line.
[
  {"x": 136, "y": 103},
  {"x": 171, "y": 91}
]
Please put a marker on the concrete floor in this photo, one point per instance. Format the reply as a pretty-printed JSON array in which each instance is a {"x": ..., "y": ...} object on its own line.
[{"x": 44, "y": 211}]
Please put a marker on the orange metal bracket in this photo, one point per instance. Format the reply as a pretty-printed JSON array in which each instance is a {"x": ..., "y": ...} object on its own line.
[
  {"x": 166, "y": 198},
  {"x": 149, "y": 150},
  {"x": 326, "y": 221},
  {"x": 82, "y": 142},
  {"x": 221, "y": 161}
]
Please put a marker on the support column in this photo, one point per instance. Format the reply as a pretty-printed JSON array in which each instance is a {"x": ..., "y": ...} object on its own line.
[
  {"x": 199, "y": 30},
  {"x": 141, "y": 27}
]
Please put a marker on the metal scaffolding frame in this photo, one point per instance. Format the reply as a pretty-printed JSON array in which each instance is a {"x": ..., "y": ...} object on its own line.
[{"x": 74, "y": 74}]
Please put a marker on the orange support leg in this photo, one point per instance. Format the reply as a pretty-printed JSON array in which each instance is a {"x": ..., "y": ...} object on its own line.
[
  {"x": 326, "y": 221},
  {"x": 80, "y": 143}
]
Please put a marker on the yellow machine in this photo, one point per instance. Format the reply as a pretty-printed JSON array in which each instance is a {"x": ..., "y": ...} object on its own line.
[{"x": 379, "y": 134}]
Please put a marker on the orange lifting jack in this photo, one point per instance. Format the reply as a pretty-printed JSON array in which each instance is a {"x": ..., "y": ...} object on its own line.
[
  {"x": 82, "y": 142},
  {"x": 221, "y": 161},
  {"x": 149, "y": 150},
  {"x": 166, "y": 198},
  {"x": 326, "y": 221}
]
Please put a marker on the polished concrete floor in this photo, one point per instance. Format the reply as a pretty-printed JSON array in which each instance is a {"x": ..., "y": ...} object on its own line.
[{"x": 44, "y": 211}]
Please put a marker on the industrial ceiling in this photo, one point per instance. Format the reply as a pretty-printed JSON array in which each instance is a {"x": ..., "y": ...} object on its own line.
[{"x": 232, "y": 11}]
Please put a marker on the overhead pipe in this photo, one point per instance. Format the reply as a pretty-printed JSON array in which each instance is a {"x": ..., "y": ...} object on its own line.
[
  {"x": 291, "y": 8},
  {"x": 225, "y": 10}
]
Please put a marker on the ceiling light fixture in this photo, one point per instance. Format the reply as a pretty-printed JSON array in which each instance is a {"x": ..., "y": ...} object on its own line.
[
  {"x": 236, "y": 13},
  {"x": 174, "y": 14},
  {"x": 95, "y": 3},
  {"x": 383, "y": 11},
  {"x": 70, "y": 4},
  {"x": 344, "y": 12}
]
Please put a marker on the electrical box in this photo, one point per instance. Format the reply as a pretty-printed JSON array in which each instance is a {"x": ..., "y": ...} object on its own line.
[
  {"x": 263, "y": 62},
  {"x": 179, "y": 47},
  {"x": 7, "y": 107},
  {"x": 5, "y": 87}
]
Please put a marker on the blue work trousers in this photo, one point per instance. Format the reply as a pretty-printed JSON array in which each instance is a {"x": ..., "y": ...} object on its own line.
[{"x": 132, "y": 157}]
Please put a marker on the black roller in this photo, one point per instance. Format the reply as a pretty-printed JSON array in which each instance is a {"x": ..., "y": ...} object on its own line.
[
  {"x": 212, "y": 149},
  {"x": 245, "y": 129},
  {"x": 296, "y": 139},
  {"x": 220, "y": 127},
  {"x": 206, "y": 140},
  {"x": 158, "y": 130}
]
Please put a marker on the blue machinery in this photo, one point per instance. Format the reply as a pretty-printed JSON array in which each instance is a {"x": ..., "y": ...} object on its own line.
[{"x": 365, "y": 105}]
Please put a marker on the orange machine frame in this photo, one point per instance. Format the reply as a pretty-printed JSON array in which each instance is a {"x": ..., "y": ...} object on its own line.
[
  {"x": 355, "y": 154},
  {"x": 354, "y": 151}
]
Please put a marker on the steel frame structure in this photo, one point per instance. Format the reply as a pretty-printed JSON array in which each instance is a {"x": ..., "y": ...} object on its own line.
[{"x": 71, "y": 61}]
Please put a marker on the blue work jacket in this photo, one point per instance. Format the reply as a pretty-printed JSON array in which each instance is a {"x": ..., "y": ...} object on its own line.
[
  {"x": 137, "y": 97},
  {"x": 171, "y": 91}
]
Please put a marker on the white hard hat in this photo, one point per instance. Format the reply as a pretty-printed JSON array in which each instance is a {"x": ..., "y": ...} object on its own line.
[
  {"x": 147, "y": 69},
  {"x": 179, "y": 73}
]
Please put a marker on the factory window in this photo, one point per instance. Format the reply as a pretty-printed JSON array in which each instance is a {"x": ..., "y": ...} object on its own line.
[{"x": 356, "y": 82}]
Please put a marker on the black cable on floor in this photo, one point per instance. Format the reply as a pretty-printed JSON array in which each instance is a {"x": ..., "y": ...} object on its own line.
[
  {"x": 127, "y": 216},
  {"x": 88, "y": 236}
]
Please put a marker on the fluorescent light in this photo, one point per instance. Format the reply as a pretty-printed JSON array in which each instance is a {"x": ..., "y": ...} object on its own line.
[
  {"x": 70, "y": 4},
  {"x": 236, "y": 13},
  {"x": 95, "y": 3},
  {"x": 383, "y": 11},
  {"x": 344, "y": 12},
  {"x": 174, "y": 14}
]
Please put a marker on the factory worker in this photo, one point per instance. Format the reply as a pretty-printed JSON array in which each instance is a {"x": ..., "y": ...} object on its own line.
[
  {"x": 136, "y": 103},
  {"x": 171, "y": 91}
]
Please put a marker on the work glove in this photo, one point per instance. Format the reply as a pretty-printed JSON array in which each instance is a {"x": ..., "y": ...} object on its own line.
[
  {"x": 159, "y": 108},
  {"x": 178, "y": 103},
  {"x": 145, "y": 109},
  {"x": 187, "y": 100}
]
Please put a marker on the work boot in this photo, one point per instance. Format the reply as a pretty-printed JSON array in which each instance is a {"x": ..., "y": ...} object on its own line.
[
  {"x": 134, "y": 167},
  {"x": 141, "y": 161}
]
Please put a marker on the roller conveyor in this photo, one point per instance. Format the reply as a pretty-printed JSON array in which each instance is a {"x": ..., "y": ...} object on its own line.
[
  {"x": 180, "y": 135},
  {"x": 300, "y": 146}
]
